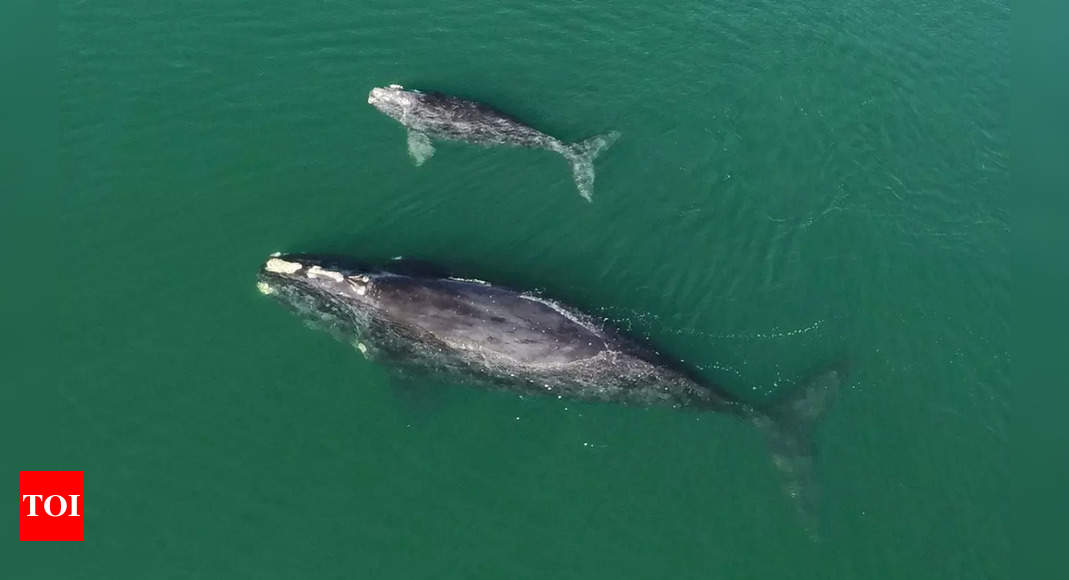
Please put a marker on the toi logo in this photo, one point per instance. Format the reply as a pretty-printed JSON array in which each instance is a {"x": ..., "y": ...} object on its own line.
[{"x": 50, "y": 506}]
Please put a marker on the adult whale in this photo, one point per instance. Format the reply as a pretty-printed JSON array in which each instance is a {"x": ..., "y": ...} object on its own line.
[
  {"x": 438, "y": 116},
  {"x": 528, "y": 344}
]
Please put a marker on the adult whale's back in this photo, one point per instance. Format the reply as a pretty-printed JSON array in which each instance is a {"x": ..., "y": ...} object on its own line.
[
  {"x": 469, "y": 316},
  {"x": 431, "y": 115}
]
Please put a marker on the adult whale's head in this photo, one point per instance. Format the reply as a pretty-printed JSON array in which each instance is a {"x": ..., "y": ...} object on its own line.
[
  {"x": 393, "y": 100},
  {"x": 324, "y": 289}
]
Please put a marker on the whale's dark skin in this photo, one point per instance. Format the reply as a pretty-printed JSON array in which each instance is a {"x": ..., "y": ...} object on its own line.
[
  {"x": 431, "y": 115},
  {"x": 521, "y": 342}
]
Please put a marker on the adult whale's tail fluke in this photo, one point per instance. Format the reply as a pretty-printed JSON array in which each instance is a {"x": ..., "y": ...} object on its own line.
[
  {"x": 789, "y": 426},
  {"x": 581, "y": 155}
]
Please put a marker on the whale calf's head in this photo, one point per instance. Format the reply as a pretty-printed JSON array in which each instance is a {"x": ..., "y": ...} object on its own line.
[{"x": 393, "y": 100}]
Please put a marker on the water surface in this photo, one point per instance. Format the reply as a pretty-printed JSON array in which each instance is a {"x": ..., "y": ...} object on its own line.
[{"x": 796, "y": 183}]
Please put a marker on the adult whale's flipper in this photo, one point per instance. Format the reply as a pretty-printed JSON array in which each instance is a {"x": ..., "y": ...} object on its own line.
[
  {"x": 789, "y": 427},
  {"x": 581, "y": 155},
  {"x": 419, "y": 147}
]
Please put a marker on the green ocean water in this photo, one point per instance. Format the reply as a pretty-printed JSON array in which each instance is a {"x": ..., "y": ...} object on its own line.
[{"x": 795, "y": 184}]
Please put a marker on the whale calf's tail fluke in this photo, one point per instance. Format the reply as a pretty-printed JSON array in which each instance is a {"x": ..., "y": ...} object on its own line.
[
  {"x": 789, "y": 425},
  {"x": 581, "y": 155}
]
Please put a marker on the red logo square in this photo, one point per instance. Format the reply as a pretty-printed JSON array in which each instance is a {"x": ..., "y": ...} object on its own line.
[{"x": 51, "y": 506}]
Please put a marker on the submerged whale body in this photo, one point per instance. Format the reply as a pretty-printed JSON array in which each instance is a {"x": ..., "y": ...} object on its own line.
[
  {"x": 506, "y": 339},
  {"x": 430, "y": 116}
]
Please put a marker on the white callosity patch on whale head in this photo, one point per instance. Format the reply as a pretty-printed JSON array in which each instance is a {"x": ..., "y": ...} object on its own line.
[
  {"x": 265, "y": 288},
  {"x": 393, "y": 101},
  {"x": 317, "y": 272},
  {"x": 384, "y": 94},
  {"x": 359, "y": 284},
  {"x": 280, "y": 266}
]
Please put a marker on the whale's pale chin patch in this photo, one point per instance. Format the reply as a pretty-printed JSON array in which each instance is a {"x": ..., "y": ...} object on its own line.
[
  {"x": 280, "y": 266},
  {"x": 265, "y": 288}
]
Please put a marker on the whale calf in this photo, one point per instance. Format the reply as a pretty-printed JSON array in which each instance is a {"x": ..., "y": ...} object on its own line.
[
  {"x": 431, "y": 115},
  {"x": 507, "y": 339}
]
